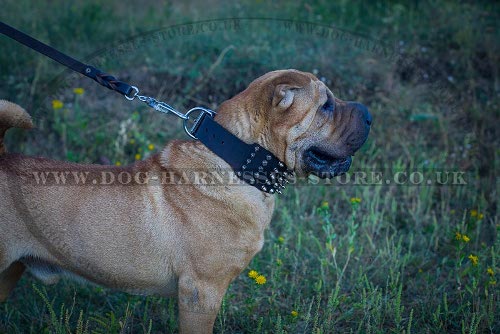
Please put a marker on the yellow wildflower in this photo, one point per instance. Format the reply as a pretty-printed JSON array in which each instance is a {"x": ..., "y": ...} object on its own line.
[
  {"x": 294, "y": 313},
  {"x": 281, "y": 239},
  {"x": 151, "y": 147},
  {"x": 474, "y": 259},
  {"x": 490, "y": 271},
  {"x": 261, "y": 279},
  {"x": 57, "y": 104},
  {"x": 324, "y": 205},
  {"x": 137, "y": 156},
  {"x": 78, "y": 91},
  {"x": 458, "y": 236},
  {"x": 452, "y": 211},
  {"x": 493, "y": 282},
  {"x": 480, "y": 216},
  {"x": 465, "y": 238},
  {"x": 420, "y": 270},
  {"x": 473, "y": 213},
  {"x": 279, "y": 262},
  {"x": 132, "y": 141},
  {"x": 118, "y": 163},
  {"x": 253, "y": 274},
  {"x": 355, "y": 200}
]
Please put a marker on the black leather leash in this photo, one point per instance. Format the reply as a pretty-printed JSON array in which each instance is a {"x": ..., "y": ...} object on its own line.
[
  {"x": 102, "y": 78},
  {"x": 251, "y": 162}
]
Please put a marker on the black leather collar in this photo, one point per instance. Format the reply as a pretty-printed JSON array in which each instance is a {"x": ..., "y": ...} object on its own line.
[{"x": 251, "y": 162}]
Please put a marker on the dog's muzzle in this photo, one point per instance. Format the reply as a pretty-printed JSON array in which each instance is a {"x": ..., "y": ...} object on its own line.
[{"x": 328, "y": 162}]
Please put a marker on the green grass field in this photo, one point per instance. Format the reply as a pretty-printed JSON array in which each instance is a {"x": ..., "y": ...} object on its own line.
[{"x": 337, "y": 258}]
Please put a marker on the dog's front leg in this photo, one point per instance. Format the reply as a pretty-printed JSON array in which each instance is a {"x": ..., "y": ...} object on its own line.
[
  {"x": 199, "y": 303},
  {"x": 9, "y": 278}
]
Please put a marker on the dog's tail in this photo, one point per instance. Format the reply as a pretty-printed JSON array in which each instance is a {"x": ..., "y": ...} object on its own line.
[{"x": 12, "y": 116}]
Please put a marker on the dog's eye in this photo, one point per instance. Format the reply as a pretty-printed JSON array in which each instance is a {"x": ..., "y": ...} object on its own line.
[{"x": 329, "y": 104}]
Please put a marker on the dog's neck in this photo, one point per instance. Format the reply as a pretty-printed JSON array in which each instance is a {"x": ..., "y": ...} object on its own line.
[{"x": 242, "y": 120}]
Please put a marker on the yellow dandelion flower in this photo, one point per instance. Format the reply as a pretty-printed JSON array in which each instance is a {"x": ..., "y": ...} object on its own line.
[
  {"x": 420, "y": 270},
  {"x": 253, "y": 274},
  {"x": 473, "y": 213},
  {"x": 151, "y": 147},
  {"x": 474, "y": 259},
  {"x": 137, "y": 156},
  {"x": 480, "y": 216},
  {"x": 132, "y": 141},
  {"x": 490, "y": 271},
  {"x": 294, "y": 313},
  {"x": 261, "y": 279},
  {"x": 324, "y": 205},
  {"x": 57, "y": 104},
  {"x": 279, "y": 262},
  {"x": 465, "y": 238},
  {"x": 118, "y": 163},
  {"x": 458, "y": 236},
  {"x": 492, "y": 282},
  {"x": 78, "y": 91},
  {"x": 355, "y": 200},
  {"x": 281, "y": 239}
]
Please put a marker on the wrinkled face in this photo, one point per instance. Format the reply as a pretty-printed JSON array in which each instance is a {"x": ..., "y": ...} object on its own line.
[{"x": 315, "y": 132}]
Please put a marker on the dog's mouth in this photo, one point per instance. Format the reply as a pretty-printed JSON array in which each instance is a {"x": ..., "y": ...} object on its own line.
[{"x": 325, "y": 165}]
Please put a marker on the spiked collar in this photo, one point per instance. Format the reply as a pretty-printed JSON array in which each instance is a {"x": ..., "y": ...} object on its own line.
[{"x": 251, "y": 162}]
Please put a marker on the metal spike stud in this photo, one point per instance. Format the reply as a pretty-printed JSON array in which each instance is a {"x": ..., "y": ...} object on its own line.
[
  {"x": 252, "y": 155},
  {"x": 279, "y": 191},
  {"x": 249, "y": 160},
  {"x": 281, "y": 164},
  {"x": 257, "y": 148},
  {"x": 264, "y": 163},
  {"x": 263, "y": 188},
  {"x": 268, "y": 157},
  {"x": 271, "y": 191}
]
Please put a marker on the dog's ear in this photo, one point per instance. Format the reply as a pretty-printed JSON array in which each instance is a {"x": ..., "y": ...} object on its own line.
[{"x": 283, "y": 96}]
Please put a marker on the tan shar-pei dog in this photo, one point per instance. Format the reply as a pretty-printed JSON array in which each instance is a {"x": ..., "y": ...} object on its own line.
[{"x": 188, "y": 240}]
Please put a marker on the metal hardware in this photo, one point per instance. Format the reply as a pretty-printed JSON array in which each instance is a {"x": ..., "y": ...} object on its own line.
[
  {"x": 134, "y": 88},
  {"x": 166, "y": 108}
]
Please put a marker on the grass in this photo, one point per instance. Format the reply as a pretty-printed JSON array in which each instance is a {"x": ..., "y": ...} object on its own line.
[{"x": 338, "y": 258}]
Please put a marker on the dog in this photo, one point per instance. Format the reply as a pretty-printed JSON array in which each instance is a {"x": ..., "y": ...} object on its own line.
[{"x": 187, "y": 240}]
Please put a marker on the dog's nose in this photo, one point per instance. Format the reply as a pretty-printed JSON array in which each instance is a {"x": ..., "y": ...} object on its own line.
[{"x": 363, "y": 111}]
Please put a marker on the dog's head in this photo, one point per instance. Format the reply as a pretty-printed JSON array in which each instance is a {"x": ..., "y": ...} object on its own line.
[{"x": 295, "y": 116}]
